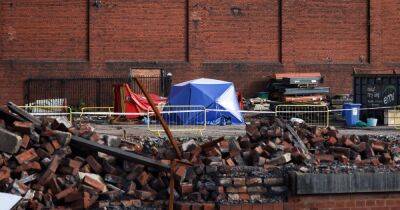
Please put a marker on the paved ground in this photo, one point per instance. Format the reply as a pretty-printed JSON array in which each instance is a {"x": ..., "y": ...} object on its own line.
[
  {"x": 386, "y": 131},
  {"x": 218, "y": 131},
  {"x": 142, "y": 130}
]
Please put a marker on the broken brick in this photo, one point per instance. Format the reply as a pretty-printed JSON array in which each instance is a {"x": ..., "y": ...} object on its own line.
[
  {"x": 100, "y": 186},
  {"x": 28, "y": 155},
  {"x": 29, "y": 166},
  {"x": 9, "y": 142},
  {"x": 49, "y": 148},
  {"x": 186, "y": 188},
  {"x": 4, "y": 173},
  {"x": 239, "y": 181},
  {"x": 143, "y": 178},
  {"x": 94, "y": 164},
  {"x": 65, "y": 192},
  {"x": 25, "y": 141},
  {"x": 23, "y": 127}
]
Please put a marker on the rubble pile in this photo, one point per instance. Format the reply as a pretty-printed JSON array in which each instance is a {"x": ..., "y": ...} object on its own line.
[
  {"x": 50, "y": 164},
  {"x": 40, "y": 164},
  {"x": 315, "y": 149},
  {"x": 254, "y": 167}
]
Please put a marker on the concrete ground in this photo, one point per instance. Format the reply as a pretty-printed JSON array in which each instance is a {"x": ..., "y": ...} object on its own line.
[
  {"x": 218, "y": 131},
  {"x": 142, "y": 130}
]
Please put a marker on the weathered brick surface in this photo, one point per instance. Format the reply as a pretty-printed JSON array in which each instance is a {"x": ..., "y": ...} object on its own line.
[
  {"x": 143, "y": 30},
  {"x": 346, "y": 201},
  {"x": 44, "y": 30},
  {"x": 201, "y": 38},
  {"x": 331, "y": 31},
  {"x": 390, "y": 40},
  {"x": 251, "y": 34}
]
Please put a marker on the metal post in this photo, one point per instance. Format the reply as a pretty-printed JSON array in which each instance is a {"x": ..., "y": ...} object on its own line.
[
  {"x": 27, "y": 91},
  {"x": 98, "y": 92},
  {"x": 172, "y": 186}
]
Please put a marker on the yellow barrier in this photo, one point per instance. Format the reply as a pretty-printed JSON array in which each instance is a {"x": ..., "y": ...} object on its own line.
[
  {"x": 392, "y": 117},
  {"x": 83, "y": 109},
  {"x": 48, "y": 110},
  {"x": 312, "y": 114},
  {"x": 179, "y": 119}
]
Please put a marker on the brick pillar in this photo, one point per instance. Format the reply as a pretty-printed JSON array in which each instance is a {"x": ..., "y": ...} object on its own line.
[
  {"x": 288, "y": 35},
  {"x": 375, "y": 48}
]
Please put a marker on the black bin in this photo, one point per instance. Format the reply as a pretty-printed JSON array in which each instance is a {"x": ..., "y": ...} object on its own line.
[{"x": 376, "y": 90}]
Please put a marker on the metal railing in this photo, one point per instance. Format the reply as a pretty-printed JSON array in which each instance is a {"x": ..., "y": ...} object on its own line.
[
  {"x": 179, "y": 119},
  {"x": 88, "y": 92},
  {"x": 312, "y": 114},
  {"x": 84, "y": 109},
  {"x": 51, "y": 111},
  {"x": 392, "y": 117}
]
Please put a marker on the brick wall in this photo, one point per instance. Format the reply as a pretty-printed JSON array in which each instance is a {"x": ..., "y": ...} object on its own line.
[
  {"x": 241, "y": 41},
  {"x": 331, "y": 31},
  {"x": 364, "y": 201}
]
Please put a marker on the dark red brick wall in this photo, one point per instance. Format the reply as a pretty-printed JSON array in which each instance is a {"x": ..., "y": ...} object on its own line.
[
  {"x": 200, "y": 38},
  {"x": 331, "y": 31},
  {"x": 144, "y": 30},
  {"x": 42, "y": 30},
  {"x": 364, "y": 201},
  {"x": 250, "y": 35},
  {"x": 390, "y": 31}
]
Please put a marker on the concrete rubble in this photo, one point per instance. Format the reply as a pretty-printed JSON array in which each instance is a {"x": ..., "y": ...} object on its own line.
[{"x": 42, "y": 162}]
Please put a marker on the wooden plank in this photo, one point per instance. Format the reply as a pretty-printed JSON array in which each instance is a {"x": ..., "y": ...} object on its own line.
[
  {"x": 8, "y": 117},
  {"x": 116, "y": 152},
  {"x": 24, "y": 114}
]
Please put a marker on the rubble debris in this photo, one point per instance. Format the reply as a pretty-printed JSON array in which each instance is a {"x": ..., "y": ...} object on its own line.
[
  {"x": 21, "y": 113},
  {"x": 9, "y": 142},
  {"x": 8, "y": 117},
  {"x": 61, "y": 124},
  {"x": 75, "y": 167}
]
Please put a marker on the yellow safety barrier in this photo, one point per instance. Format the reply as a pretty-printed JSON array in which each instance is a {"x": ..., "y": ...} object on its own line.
[
  {"x": 179, "y": 119},
  {"x": 49, "y": 110},
  {"x": 312, "y": 114},
  {"x": 83, "y": 109},
  {"x": 392, "y": 117}
]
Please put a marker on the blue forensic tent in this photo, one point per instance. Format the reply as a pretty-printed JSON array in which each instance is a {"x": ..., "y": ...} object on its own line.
[{"x": 210, "y": 93}]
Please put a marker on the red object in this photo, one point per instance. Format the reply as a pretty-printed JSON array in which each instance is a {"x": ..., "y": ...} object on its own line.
[
  {"x": 240, "y": 100},
  {"x": 125, "y": 100},
  {"x": 297, "y": 74}
]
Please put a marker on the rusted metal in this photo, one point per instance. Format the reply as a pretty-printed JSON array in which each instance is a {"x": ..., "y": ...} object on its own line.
[
  {"x": 172, "y": 186},
  {"x": 162, "y": 121}
]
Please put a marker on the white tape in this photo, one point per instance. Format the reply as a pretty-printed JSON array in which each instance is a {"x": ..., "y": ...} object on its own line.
[
  {"x": 206, "y": 110},
  {"x": 49, "y": 114},
  {"x": 110, "y": 113}
]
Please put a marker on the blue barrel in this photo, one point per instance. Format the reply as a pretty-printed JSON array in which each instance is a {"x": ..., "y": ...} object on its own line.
[{"x": 352, "y": 115}]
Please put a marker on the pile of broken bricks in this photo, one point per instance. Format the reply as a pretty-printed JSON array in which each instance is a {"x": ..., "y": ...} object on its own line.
[
  {"x": 40, "y": 162},
  {"x": 53, "y": 164}
]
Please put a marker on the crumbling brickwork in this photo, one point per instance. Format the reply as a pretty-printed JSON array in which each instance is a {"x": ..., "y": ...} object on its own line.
[{"x": 241, "y": 41}]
